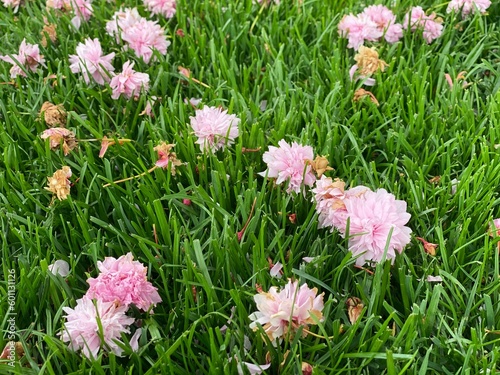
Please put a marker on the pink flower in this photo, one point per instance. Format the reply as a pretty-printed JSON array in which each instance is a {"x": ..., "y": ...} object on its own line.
[
  {"x": 252, "y": 368},
  {"x": 358, "y": 29},
  {"x": 373, "y": 218},
  {"x": 12, "y": 4},
  {"x": 329, "y": 196},
  {"x": 28, "y": 57},
  {"x": 124, "y": 281},
  {"x": 82, "y": 330},
  {"x": 385, "y": 21},
  {"x": 60, "y": 267},
  {"x": 122, "y": 20},
  {"x": 64, "y": 5},
  {"x": 165, "y": 7},
  {"x": 276, "y": 270},
  {"x": 214, "y": 127},
  {"x": 145, "y": 36},
  {"x": 468, "y": 6},
  {"x": 285, "y": 311},
  {"x": 434, "y": 279},
  {"x": 129, "y": 82},
  {"x": 83, "y": 11},
  {"x": 417, "y": 19},
  {"x": 289, "y": 163},
  {"x": 89, "y": 60}
]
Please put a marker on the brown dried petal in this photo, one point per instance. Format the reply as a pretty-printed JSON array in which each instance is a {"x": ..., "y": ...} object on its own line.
[
  {"x": 361, "y": 93},
  {"x": 54, "y": 115},
  {"x": 354, "y": 308},
  {"x": 368, "y": 61}
]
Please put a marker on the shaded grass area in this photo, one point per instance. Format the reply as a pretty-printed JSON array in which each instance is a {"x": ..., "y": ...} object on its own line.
[{"x": 284, "y": 71}]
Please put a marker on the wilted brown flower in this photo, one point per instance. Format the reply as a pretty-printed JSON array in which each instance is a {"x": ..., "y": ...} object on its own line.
[
  {"x": 354, "y": 308},
  {"x": 361, "y": 93},
  {"x": 166, "y": 157},
  {"x": 59, "y": 183},
  {"x": 54, "y": 115},
  {"x": 12, "y": 347},
  {"x": 58, "y": 135},
  {"x": 49, "y": 30},
  {"x": 430, "y": 248},
  {"x": 320, "y": 165},
  {"x": 307, "y": 369},
  {"x": 368, "y": 61}
]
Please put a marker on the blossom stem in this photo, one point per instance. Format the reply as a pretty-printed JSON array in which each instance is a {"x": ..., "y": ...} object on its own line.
[
  {"x": 316, "y": 335},
  {"x": 133, "y": 177},
  {"x": 120, "y": 140},
  {"x": 240, "y": 233},
  {"x": 200, "y": 83}
]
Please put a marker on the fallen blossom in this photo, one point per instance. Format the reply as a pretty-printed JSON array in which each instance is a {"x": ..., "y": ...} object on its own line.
[
  {"x": 59, "y": 183},
  {"x": 58, "y": 135},
  {"x": 53, "y": 115},
  {"x": 59, "y": 267}
]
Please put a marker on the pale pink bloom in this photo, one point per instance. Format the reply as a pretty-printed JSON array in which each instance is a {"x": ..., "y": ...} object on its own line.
[
  {"x": 145, "y": 36},
  {"x": 290, "y": 163},
  {"x": 367, "y": 81},
  {"x": 123, "y": 281},
  {"x": 82, "y": 330},
  {"x": 385, "y": 21},
  {"x": 12, "y": 4},
  {"x": 434, "y": 279},
  {"x": 214, "y": 127},
  {"x": 357, "y": 29},
  {"x": 90, "y": 61},
  {"x": 281, "y": 312},
  {"x": 122, "y": 20},
  {"x": 330, "y": 196},
  {"x": 496, "y": 224},
  {"x": 60, "y": 267},
  {"x": 83, "y": 11},
  {"x": 193, "y": 101},
  {"x": 376, "y": 221},
  {"x": 275, "y": 271},
  {"x": 129, "y": 82},
  {"x": 468, "y": 6},
  {"x": 309, "y": 259},
  {"x": 417, "y": 19},
  {"x": 252, "y": 368},
  {"x": 164, "y": 7},
  {"x": 28, "y": 57},
  {"x": 134, "y": 341}
]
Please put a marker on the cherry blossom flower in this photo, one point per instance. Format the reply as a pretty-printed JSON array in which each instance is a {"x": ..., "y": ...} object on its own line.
[
  {"x": 28, "y": 57},
  {"x": 123, "y": 281},
  {"x": 82, "y": 10},
  {"x": 434, "y": 279},
  {"x": 468, "y": 6},
  {"x": 14, "y": 4},
  {"x": 163, "y": 7},
  {"x": 290, "y": 163},
  {"x": 357, "y": 29},
  {"x": 385, "y": 21},
  {"x": 417, "y": 19},
  {"x": 376, "y": 222},
  {"x": 59, "y": 183},
  {"x": 367, "y": 63},
  {"x": 144, "y": 37},
  {"x": 129, "y": 82},
  {"x": 59, "y": 267},
  {"x": 214, "y": 127},
  {"x": 122, "y": 20},
  {"x": 58, "y": 135},
  {"x": 253, "y": 369},
  {"x": 283, "y": 312},
  {"x": 329, "y": 196},
  {"x": 89, "y": 321},
  {"x": 90, "y": 61}
]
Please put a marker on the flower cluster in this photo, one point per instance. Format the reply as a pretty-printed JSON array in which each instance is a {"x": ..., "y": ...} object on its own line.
[
  {"x": 374, "y": 222},
  {"x": 374, "y": 23},
  {"x": 59, "y": 183},
  {"x": 82, "y": 9},
  {"x": 90, "y": 61},
  {"x": 28, "y": 58},
  {"x": 282, "y": 313},
  {"x": 99, "y": 318},
  {"x": 367, "y": 63},
  {"x": 129, "y": 82}
]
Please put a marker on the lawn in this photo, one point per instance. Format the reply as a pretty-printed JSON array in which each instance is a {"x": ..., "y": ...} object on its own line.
[{"x": 178, "y": 169}]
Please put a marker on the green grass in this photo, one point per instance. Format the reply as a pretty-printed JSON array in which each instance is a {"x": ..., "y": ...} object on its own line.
[{"x": 291, "y": 57}]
